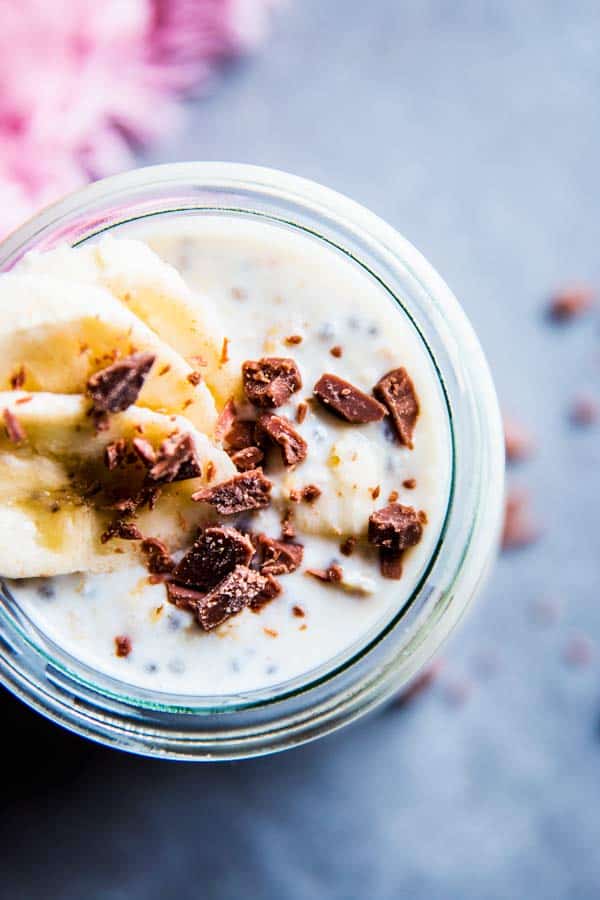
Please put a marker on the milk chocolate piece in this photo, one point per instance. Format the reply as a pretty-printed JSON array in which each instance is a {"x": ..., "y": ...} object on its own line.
[
  {"x": 390, "y": 563},
  {"x": 271, "y": 381},
  {"x": 115, "y": 454},
  {"x": 395, "y": 527},
  {"x": 184, "y": 597},
  {"x": 117, "y": 387},
  {"x": 122, "y": 645},
  {"x": 14, "y": 429},
  {"x": 248, "y": 490},
  {"x": 279, "y": 430},
  {"x": 127, "y": 531},
  {"x": 215, "y": 554},
  {"x": 225, "y": 420},
  {"x": 271, "y": 589},
  {"x": 278, "y": 557},
  {"x": 158, "y": 558},
  {"x": 333, "y": 574},
  {"x": 397, "y": 392},
  {"x": 144, "y": 450},
  {"x": 240, "y": 588},
  {"x": 176, "y": 460},
  {"x": 346, "y": 401},
  {"x": 247, "y": 459}
]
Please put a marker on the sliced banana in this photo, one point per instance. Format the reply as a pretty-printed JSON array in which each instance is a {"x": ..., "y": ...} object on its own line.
[
  {"x": 62, "y": 332},
  {"x": 157, "y": 294},
  {"x": 346, "y": 481},
  {"x": 47, "y": 525}
]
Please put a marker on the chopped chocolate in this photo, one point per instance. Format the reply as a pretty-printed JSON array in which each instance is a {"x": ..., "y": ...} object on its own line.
[
  {"x": 127, "y": 531},
  {"x": 241, "y": 435},
  {"x": 333, "y": 574},
  {"x": 520, "y": 529},
  {"x": 271, "y": 381},
  {"x": 397, "y": 392},
  {"x": 248, "y": 458},
  {"x": 117, "y": 387},
  {"x": 176, "y": 460},
  {"x": 348, "y": 546},
  {"x": 336, "y": 351},
  {"x": 158, "y": 558},
  {"x": 194, "y": 378},
  {"x": 184, "y": 597},
  {"x": 395, "y": 527},
  {"x": 240, "y": 588},
  {"x": 271, "y": 632},
  {"x": 584, "y": 411},
  {"x": 279, "y": 430},
  {"x": 294, "y": 339},
  {"x": 279, "y": 558},
  {"x": 518, "y": 441},
  {"x": 346, "y": 401},
  {"x": 271, "y": 589},
  {"x": 144, "y": 450},
  {"x": 298, "y": 611},
  {"x": 375, "y": 492},
  {"x": 301, "y": 412},
  {"x": 288, "y": 530},
  {"x": 308, "y": 494},
  {"x": 18, "y": 379},
  {"x": 14, "y": 429},
  {"x": 394, "y": 496},
  {"x": 579, "y": 651},
  {"x": 216, "y": 553},
  {"x": 570, "y": 302},
  {"x": 248, "y": 490},
  {"x": 225, "y": 420},
  {"x": 164, "y": 369},
  {"x": 122, "y": 645},
  {"x": 390, "y": 563},
  {"x": 115, "y": 454},
  {"x": 409, "y": 484}
]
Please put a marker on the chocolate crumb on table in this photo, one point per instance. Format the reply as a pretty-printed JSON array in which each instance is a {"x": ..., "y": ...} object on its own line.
[
  {"x": 584, "y": 411},
  {"x": 118, "y": 386},
  {"x": 346, "y": 401},
  {"x": 333, "y": 574},
  {"x": 518, "y": 441},
  {"x": 123, "y": 645},
  {"x": 246, "y": 491},
  {"x": 397, "y": 392},
  {"x": 417, "y": 686},
  {"x": 270, "y": 381},
  {"x": 570, "y": 302},
  {"x": 176, "y": 460},
  {"x": 271, "y": 428},
  {"x": 14, "y": 430},
  {"x": 158, "y": 558},
  {"x": 520, "y": 530},
  {"x": 215, "y": 553},
  {"x": 579, "y": 651}
]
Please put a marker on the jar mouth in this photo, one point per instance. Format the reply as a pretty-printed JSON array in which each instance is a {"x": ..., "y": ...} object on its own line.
[{"x": 423, "y": 611}]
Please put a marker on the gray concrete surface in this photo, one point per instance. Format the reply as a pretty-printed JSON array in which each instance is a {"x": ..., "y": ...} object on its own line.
[{"x": 473, "y": 127}]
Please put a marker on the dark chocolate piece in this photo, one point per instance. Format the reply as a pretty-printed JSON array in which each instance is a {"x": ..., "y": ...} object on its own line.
[
  {"x": 248, "y": 490},
  {"x": 127, "y": 531},
  {"x": 333, "y": 574},
  {"x": 346, "y": 401},
  {"x": 518, "y": 442},
  {"x": 14, "y": 429},
  {"x": 395, "y": 527},
  {"x": 279, "y": 430},
  {"x": 271, "y": 381},
  {"x": 117, "y": 387},
  {"x": 279, "y": 558},
  {"x": 584, "y": 411},
  {"x": 240, "y": 588},
  {"x": 158, "y": 558},
  {"x": 215, "y": 554},
  {"x": 122, "y": 645},
  {"x": 397, "y": 392},
  {"x": 248, "y": 458},
  {"x": 176, "y": 460},
  {"x": 520, "y": 529},
  {"x": 390, "y": 563},
  {"x": 115, "y": 454}
]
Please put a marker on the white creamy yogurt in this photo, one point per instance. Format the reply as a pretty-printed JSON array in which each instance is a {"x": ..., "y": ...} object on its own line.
[{"x": 267, "y": 283}]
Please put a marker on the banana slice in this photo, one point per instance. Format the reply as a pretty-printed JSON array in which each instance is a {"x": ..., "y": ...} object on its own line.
[
  {"x": 346, "y": 479},
  {"x": 157, "y": 294},
  {"x": 50, "y": 518},
  {"x": 62, "y": 332}
]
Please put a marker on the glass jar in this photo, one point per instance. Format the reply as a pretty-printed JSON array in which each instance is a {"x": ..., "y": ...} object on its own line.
[{"x": 204, "y": 728}]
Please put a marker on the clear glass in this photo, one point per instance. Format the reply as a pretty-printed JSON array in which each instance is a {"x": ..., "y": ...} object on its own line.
[{"x": 261, "y": 722}]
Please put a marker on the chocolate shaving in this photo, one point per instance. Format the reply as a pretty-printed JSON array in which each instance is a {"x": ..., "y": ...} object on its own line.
[
  {"x": 115, "y": 454},
  {"x": 18, "y": 379},
  {"x": 248, "y": 458},
  {"x": 397, "y": 392},
  {"x": 271, "y": 381},
  {"x": 584, "y": 411},
  {"x": 158, "y": 558},
  {"x": 332, "y": 575},
  {"x": 117, "y": 387},
  {"x": 122, "y": 645},
  {"x": 279, "y": 430},
  {"x": 215, "y": 554},
  {"x": 127, "y": 531},
  {"x": 279, "y": 558},
  {"x": 14, "y": 429},
  {"x": 176, "y": 460},
  {"x": 144, "y": 450},
  {"x": 248, "y": 490},
  {"x": 346, "y": 401},
  {"x": 240, "y": 588},
  {"x": 395, "y": 527}
]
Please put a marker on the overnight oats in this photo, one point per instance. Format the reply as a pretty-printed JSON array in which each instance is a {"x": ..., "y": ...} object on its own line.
[
  {"x": 251, "y": 461},
  {"x": 225, "y": 456}
]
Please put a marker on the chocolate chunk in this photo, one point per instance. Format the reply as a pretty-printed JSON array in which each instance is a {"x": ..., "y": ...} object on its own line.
[
  {"x": 294, "y": 339},
  {"x": 14, "y": 429},
  {"x": 271, "y": 381},
  {"x": 184, "y": 597},
  {"x": 390, "y": 563},
  {"x": 18, "y": 379},
  {"x": 215, "y": 554},
  {"x": 225, "y": 420},
  {"x": 280, "y": 431},
  {"x": 248, "y": 490},
  {"x": 176, "y": 460},
  {"x": 337, "y": 351},
  {"x": 308, "y": 494},
  {"x": 122, "y": 645},
  {"x": 298, "y": 611},
  {"x": 395, "y": 527},
  {"x": 333, "y": 574},
  {"x": 346, "y": 401},
  {"x": 194, "y": 378},
  {"x": 241, "y": 435},
  {"x": 271, "y": 590},
  {"x": 247, "y": 459},
  {"x": 288, "y": 530},
  {"x": 409, "y": 484},
  {"x": 570, "y": 302},
  {"x": 347, "y": 547},
  {"x": 115, "y": 454},
  {"x": 118, "y": 386},
  {"x": 279, "y": 558},
  {"x": 127, "y": 531},
  {"x": 520, "y": 529},
  {"x": 144, "y": 450},
  {"x": 158, "y": 558},
  {"x": 397, "y": 392},
  {"x": 240, "y": 588}
]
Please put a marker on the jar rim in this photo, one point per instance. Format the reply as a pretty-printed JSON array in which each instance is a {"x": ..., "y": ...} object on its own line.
[{"x": 123, "y": 198}]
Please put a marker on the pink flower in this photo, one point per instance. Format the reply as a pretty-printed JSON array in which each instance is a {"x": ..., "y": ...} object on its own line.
[{"x": 83, "y": 82}]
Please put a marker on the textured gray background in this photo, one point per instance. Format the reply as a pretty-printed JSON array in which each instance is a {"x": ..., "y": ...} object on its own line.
[{"x": 473, "y": 127}]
